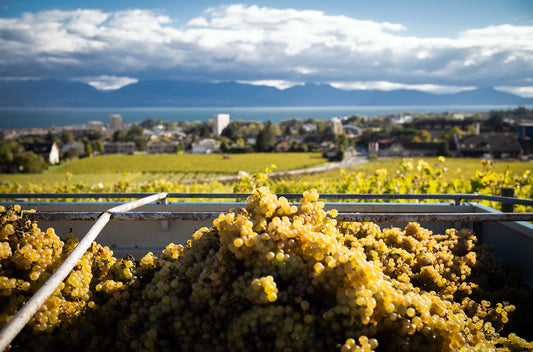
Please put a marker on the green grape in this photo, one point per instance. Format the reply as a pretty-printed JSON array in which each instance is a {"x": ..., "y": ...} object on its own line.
[{"x": 271, "y": 276}]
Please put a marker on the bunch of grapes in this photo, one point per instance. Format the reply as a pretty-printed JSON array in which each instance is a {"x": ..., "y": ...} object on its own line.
[
  {"x": 282, "y": 276},
  {"x": 29, "y": 256}
]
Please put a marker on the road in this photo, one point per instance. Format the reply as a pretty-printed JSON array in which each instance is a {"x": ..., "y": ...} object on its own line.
[{"x": 351, "y": 158}]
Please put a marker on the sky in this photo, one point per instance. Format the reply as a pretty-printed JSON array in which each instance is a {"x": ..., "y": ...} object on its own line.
[{"x": 427, "y": 45}]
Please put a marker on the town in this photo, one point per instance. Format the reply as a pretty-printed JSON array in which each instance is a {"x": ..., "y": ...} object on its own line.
[{"x": 498, "y": 134}]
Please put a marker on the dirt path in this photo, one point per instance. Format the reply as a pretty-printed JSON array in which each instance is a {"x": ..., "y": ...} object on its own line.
[{"x": 350, "y": 159}]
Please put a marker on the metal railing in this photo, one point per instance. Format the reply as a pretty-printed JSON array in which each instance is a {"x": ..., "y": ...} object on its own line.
[
  {"x": 456, "y": 198},
  {"x": 360, "y": 217}
]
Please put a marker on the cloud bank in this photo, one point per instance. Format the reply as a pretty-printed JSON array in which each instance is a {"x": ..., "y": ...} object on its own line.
[{"x": 281, "y": 47}]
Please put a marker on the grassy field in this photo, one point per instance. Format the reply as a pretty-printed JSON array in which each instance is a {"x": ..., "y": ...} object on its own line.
[{"x": 171, "y": 167}]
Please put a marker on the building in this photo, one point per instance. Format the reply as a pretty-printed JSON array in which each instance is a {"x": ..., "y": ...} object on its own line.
[
  {"x": 497, "y": 145},
  {"x": 337, "y": 125},
  {"x": 398, "y": 147},
  {"x": 353, "y": 131},
  {"x": 525, "y": 130},
  {"x": 251, "y": 138},
  {"x": 96, "y": 126},
  {"x": 79, "y": 147},
  {"x": 283, "y": 146},
  {"x": 220, "y": 121},
  {"x": 119, "y": 147},
  {"x": 48, "y": 151},
  {"x": 115, "y": 122},
  {"x": 161, "y": 147},
  {"x": 205, "y": 146},
  {"x": 309, "y": 127}
]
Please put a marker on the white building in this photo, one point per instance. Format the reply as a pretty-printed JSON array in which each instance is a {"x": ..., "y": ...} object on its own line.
[
  {"x": 309, "y": 127},
  {"x": 337, "y": 125},
  {"x": 96, "y": 125},
  {"x": 115, "y": 122},
  {"x": 220, "y": 121},
  {"x": 205, "y": 146}
]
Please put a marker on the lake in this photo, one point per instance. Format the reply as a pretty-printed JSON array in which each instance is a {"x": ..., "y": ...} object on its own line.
[{"x": 49, "y": 117}]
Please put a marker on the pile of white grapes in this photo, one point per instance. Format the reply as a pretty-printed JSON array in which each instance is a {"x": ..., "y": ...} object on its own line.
[{"x": 273, "y": 276}]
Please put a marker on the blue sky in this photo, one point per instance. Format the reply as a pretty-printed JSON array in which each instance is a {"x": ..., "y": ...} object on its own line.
[{"x": 435, "y": 46}]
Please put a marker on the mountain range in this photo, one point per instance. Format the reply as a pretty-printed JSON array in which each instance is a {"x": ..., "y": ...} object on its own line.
[{"x": 56, "y": 93}]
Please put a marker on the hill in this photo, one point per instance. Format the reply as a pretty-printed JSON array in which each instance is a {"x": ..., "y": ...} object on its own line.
[{"x": 55, "y": 93}]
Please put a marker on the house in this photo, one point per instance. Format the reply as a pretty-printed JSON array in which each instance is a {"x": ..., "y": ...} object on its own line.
[
  {"x": 309, "y": 127},
  {"x": 353, "y": 131},
  {"x": 73, "y": 145},
  {"x": 400, "y": 147},
  {"x": 251, "y": 138},
  {"x": 283, "y": 146},
  {"x": 326, "y": 145},
  {"x": 119, "y": 147},
  {"x": 161, "y": 147},
  {"x": 525, "y": 130},
  {"x": 205, "y": 146},
  {"x": 48, "y": 151},
  {"x": 401, "y": 119},
  {"x": 498, "y": 145}
]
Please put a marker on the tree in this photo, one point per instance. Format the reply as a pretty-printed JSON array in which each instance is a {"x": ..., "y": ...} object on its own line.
[
  {"x": 266, "y": 138},
  {"x": 230, "y": 131},
  {"x": 425, "y": 136},
  {"x": 327, "y": 134},
  {"x": 98, "y": 146},
  {"x": 287, "y": 131},
  {"x": 448, "y": 135},
  {"x": 148, "y": 123},
  {"x": 72, "y": 153},
  {"x": 28, "y": 162},
  {"x": 342, "y": 141},
  {"x": 205, "y": 131},
  {"x": 66, "y": 137},
  {"x": 472, "y": 129},
  {"x": 13, "y": 159},
  {"x": 88, "y": 148},
  {"x": 134, "y": 132},
  {"x": 8, "y": 149},
  {"x": 120, "y": 136}
]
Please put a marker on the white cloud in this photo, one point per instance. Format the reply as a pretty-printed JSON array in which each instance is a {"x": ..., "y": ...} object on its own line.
[
  {"x": 524, "y": 92},
  {"x": 253, "y": 43},
  {"x": 280, "y": 84},
  {"x": 388, "y": 86},
  {"x": 7, "y": 78},
  {"x": 107, "y": 82}
]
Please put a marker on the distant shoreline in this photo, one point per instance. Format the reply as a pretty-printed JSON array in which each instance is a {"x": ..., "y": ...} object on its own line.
[{"x": 44, "y": 117}]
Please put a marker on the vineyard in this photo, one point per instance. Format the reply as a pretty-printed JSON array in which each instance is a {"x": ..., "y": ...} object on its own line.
[
  {"x": 276, "y": 275},
  {"x": 418, "y": 176},
  {"x": 108, "y": 169}
]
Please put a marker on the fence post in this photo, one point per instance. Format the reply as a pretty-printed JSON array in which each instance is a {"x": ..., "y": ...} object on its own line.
[{"x": 507, "y": 192}]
